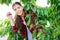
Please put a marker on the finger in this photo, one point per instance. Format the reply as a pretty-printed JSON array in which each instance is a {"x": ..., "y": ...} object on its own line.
[{"x": 8, "y": 14}]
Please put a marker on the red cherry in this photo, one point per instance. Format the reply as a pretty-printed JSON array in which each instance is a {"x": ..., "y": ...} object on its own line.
[
  {"x": 32, "y": 21},
  {"x": 33, "y": 15},
  {"x": 32, "y": 29},
  {"x": 39, "y": 28}
]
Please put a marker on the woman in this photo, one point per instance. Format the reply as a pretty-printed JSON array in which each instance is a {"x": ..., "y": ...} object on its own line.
[{"x": 20, "y": 21}]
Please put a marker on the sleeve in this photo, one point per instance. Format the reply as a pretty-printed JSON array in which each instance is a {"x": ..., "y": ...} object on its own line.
[{"x": 14, "y": 29}]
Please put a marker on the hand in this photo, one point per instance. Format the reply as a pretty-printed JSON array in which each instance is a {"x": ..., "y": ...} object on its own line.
[{"x": 9, "y": 15}]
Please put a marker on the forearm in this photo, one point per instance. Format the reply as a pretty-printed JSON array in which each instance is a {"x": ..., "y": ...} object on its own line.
[
  {"x": 12, "y": 22},
  {"x": 14, "y": 29}
]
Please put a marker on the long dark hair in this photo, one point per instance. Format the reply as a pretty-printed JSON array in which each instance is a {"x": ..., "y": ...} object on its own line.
[{"x": 18, "y": 19}]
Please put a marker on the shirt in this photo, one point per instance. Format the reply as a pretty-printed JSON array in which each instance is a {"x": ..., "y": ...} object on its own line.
[{"x": 23, "y": 30}]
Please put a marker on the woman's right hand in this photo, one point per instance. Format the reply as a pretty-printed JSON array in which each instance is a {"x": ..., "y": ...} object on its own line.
[{"x": 9, "y": 15}]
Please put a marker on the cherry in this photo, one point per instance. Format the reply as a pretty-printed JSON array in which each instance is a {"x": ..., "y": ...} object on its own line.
[
  {"x": 33, "y": 15},
  {"x": 32, "y": 21},
  {"x": 38, "y": 28}
]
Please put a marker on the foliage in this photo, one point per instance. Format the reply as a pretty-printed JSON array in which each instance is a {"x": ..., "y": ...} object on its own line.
[
  {"x": 48, "y": 18},
  {"x": 5, "y": 29},
  {"x": 5, "y": 2}
]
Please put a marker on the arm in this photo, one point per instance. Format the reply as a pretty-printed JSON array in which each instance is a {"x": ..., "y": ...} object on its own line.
[{"x": 14, "y": 29}]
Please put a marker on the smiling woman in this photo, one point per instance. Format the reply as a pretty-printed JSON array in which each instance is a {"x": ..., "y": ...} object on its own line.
[
  {"x": 20, "y": 19},
  {"x": 4, "y": 8}
]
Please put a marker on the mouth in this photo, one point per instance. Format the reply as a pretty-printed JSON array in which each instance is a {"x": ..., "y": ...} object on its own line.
[{"x": 19, "y": 13}]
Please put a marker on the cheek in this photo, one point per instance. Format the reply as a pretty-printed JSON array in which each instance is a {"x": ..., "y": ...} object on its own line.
[{"x": 19, "y": 12}]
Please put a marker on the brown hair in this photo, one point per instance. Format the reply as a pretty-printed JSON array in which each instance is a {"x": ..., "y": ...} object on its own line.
[
  {"x": 16, "y": 3},
  {"x": 18, "y": 19}
]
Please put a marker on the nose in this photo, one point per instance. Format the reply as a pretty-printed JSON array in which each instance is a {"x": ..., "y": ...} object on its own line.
[{"x": 18, "y": 11}]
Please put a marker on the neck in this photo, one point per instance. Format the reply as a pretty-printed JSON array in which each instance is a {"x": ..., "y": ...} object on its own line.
[{"x": 23, "y": 18}]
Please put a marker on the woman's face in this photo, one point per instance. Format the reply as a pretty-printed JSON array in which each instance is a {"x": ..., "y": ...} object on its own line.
[{"x": 18, "y": 9}]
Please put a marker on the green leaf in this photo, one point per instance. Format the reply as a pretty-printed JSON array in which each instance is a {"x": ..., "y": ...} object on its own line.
[{"x": 0, "y": 1}]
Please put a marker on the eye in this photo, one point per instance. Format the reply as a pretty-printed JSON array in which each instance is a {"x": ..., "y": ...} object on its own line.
[{"x": 18, "y": 7}]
